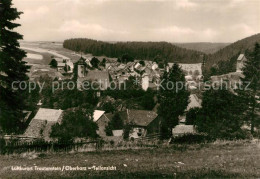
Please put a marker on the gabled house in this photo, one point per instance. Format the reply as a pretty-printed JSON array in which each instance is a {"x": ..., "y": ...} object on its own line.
[
  {"x": 142, "y": 122},
  {"x": 40, "y": 125},
  {"x": 101, "y": 119}
]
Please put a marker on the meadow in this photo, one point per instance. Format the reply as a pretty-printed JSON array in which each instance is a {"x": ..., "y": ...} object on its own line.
[{"x": 221, "y": 159}]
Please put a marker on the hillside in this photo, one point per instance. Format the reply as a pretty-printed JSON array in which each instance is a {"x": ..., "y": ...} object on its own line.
[
  {"x": 232, "y": 51},
  {"x": 205, "y": 47},
  {"x": 137, "y": 50}
]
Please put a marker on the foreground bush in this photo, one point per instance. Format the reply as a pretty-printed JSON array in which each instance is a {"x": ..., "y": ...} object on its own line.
[{"x": 192, "y": 139}]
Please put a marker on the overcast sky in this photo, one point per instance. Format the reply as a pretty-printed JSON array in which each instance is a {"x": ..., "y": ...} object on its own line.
[{"x": 139, "y": 20}]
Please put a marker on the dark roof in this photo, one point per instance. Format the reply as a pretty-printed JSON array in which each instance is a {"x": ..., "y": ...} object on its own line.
[
  {"x": 135, "y": 117},
  {"x": 141, "y": 117}
]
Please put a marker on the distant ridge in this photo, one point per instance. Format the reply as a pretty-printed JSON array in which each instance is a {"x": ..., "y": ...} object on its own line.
[
  {"x": 205, "y": 47},
  {"x": 232, "y": 50}
]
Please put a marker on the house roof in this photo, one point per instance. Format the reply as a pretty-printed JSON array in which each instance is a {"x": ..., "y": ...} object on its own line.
[
  {"x": 102, "y": 77},
  {"x": 194, "y": 102},
  {"x": 135, "y": 117},
  {"x": 183, "y": 129},
  {"x": 141, "y": 117},
  {"x": 240, "y": 57},
  {"x": 52, "y": 115},
  {"x": 97, "y": 114}
]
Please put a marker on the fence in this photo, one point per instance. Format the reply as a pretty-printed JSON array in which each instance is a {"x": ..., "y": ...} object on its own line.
[
  {"x": 17, "y": 147},
  {"x": 12, "y": 147}
]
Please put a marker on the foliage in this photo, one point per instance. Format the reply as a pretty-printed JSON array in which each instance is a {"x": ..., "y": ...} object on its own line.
[
  {"x": 192, "y": 139},
  {"x": 103, "y": 63},
  {"x": 116, "y": 123},
  {"x": 136, "y": 50},
  {"x": 76, "y": 123},
  {"x": 53, "y": 63},
  {"x": 127, "y": 131},
  {"x": 147, "y": 101},
  {"x": 251, "y": 91},
  {"x": 224, "y": 67},
  {"x": 142, "y": 63},
  {"x": 108, "y": 107},
  {"x": 12, "y": 68},
  {"x": 221, "y": 114},
  {"x": 94, "y": 62},
  {"x": 191, "y": 115},
  {"x": 173, "y": 99}
]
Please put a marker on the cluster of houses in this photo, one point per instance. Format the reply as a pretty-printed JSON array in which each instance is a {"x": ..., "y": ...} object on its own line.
[
  {"x": 146, "y": 73},
  {"x": 142, "y": 122},
  {"x": 64, "y": 65}
]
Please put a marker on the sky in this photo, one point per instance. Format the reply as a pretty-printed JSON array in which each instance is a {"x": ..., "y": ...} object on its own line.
[{"x": 139, "y": 20}]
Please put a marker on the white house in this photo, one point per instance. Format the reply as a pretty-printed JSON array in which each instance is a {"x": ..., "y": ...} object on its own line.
[{"x": 240, "y": 62}]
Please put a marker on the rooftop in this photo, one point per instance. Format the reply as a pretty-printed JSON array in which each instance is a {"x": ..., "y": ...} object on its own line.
[
  {"x": 194, "y": 102},
  {"x": 183, "y": 129},
  {"x": 97, "y": 114},
  {"x": 52, "y": 115},
  {"x": 240, "y": 57},
  {"x": 141, "y": 117}
]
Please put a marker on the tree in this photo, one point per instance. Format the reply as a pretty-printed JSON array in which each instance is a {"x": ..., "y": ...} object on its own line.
[
  {"x": 147, "y": 101},
  {"x": 116, "y": 123},
  {"x": 94, "y": 62},
  {"x": 12, "y": 69},
  {"x": 142, "y": 63},
  {"x": 103, "y": 63},
  {"x": 127, "y": 58},
  {"x": 76, "y": 123},
  {"x": 108, "y": 107},
  {"x": 221, "y": 114},
  {"x": 191, "y": 116},
  {"x": 53, "y": 63},
  {"x": 251, "y": 83},
  {"x": 173, "y": 99}
]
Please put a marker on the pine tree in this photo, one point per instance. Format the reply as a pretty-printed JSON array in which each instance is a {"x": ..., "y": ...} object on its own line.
[
  {"x": 221, "y": 114},
  {"x": 251, "y": 92},
  {"x": 173, "y": 99},
  {"x": 12, "y": 68}
]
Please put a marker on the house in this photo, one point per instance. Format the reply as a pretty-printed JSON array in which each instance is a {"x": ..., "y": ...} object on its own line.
[
  {"x": 61, "y": 66},
  {"x": 70, "y": 67},
  {"x": 142, "y": 122},
  {"x": 102, "y": 120},
  {"x": 99, "y": 79},
  {"x": 145, "y": 82},
  {"x": 240, "y": 62},
  {"x": 40, "y": 125},
  {"x": 181, "y": 129}
]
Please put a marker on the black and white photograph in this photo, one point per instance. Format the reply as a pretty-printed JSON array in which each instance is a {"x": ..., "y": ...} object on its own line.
[{"x": 129, "y": 89}]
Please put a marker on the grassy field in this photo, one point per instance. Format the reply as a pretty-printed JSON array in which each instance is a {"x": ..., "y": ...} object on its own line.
[{"x": 239, "y": 159}]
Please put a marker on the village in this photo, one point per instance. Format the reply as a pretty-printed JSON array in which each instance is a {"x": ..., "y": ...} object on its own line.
[{"x": 146, "y": 74}]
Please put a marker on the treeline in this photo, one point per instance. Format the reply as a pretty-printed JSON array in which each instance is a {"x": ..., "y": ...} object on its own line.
[{"x": 137, "y": 50}]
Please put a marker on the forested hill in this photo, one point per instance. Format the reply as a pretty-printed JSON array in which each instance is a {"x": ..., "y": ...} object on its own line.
[
  {"x": 232, "y": 50},
  {"x": 137, "y": 50},
  {"x": 205, "y": 47}
]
